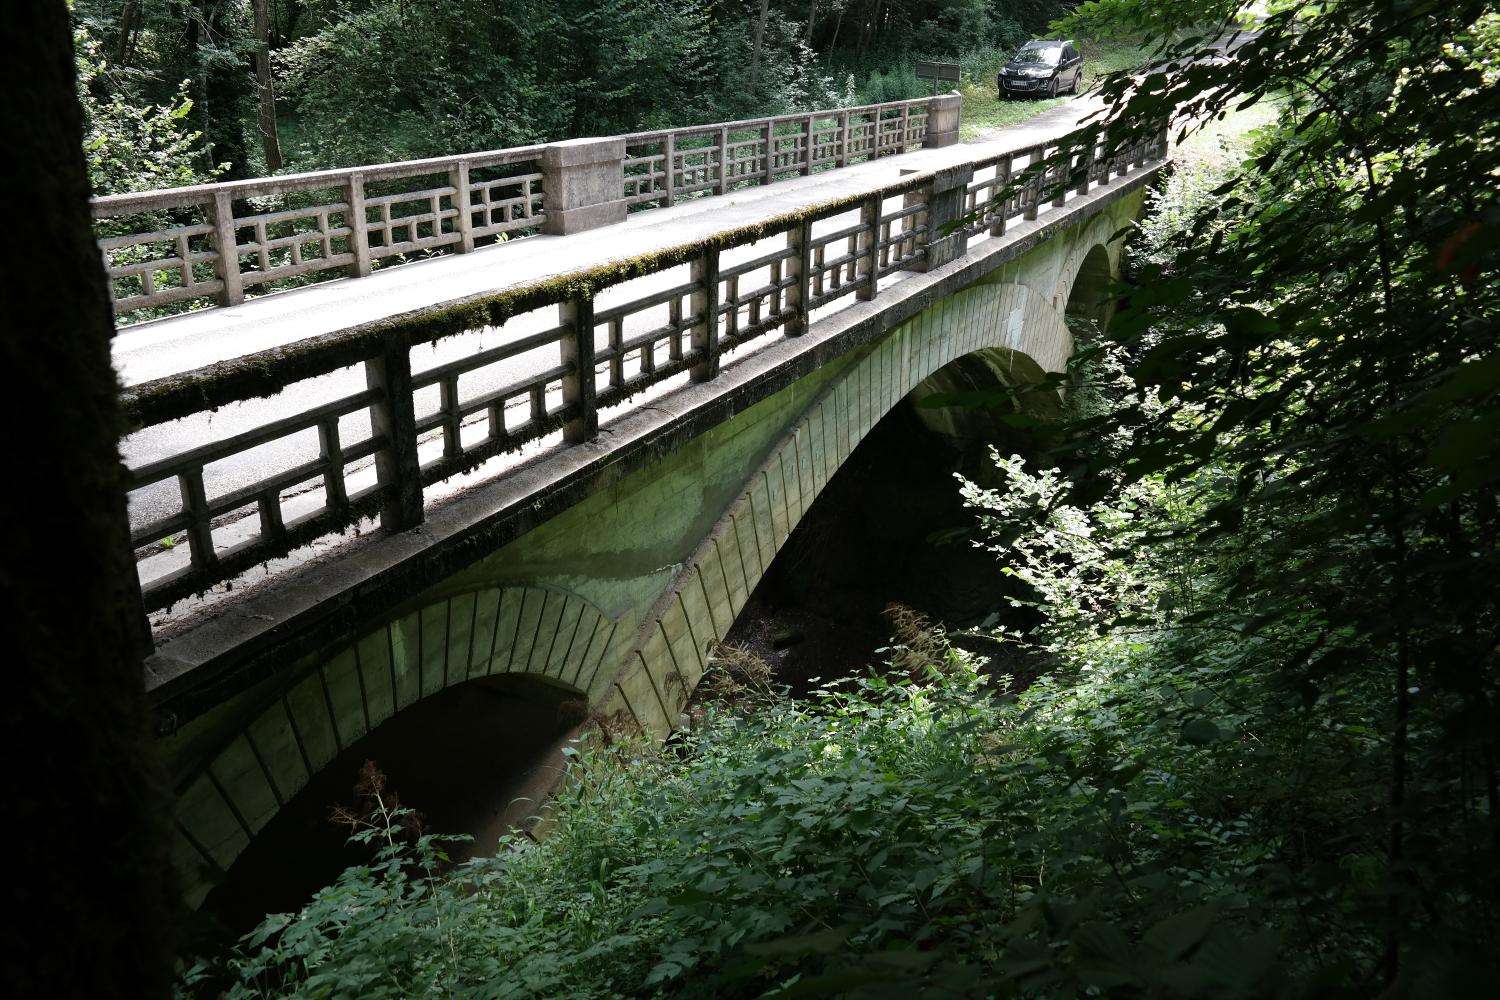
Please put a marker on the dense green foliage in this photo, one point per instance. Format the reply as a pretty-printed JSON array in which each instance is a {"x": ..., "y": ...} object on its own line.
[
  {"x": 1315, "y": 359},
  {"x": 924, "y": 832},
  {"x": 377, "y": 80},
  {"x": 133, "y": 147}
]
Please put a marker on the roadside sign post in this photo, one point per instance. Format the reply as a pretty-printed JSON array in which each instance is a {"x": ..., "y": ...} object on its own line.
[{"x": 938, "y": 73}]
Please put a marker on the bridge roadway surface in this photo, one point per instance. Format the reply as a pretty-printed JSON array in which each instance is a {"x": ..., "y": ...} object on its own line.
[{"x": 183, "y": 343}]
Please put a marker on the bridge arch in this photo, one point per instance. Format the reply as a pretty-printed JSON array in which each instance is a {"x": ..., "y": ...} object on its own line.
[
  {"x": 1004, "y": 327},
  {"x": 548, "y": 635},
  {"x": 1092, "y": 265}
]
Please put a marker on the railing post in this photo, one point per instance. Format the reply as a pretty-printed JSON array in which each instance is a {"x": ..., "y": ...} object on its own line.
[
  {"x": 1031, "y": 192},
  {"x": 578, "y": 388},
  {"x": 705, "y": 274},
  {"x": 1062, "y": 170},
  {"x": 458, "y": 179},
  {"x": 668, "y": 158},
  {"x": 200, "y": 532},
  {"x": 723, "y": 187},
  {"x": 1003, "y": 172},
  {"x": 799, "y": 240},
  {"x": 1085, "y": 167},
  {"x": 359, "y": 226},
  {"x": 769, "y": 138},
  {"x": 943, "y": 203},
  {"x": 843, "y": 139},
  {"x": 227, "y": 265},
  {"x": 584, "y": 180},
  {"x": 138, "y": 622},
  {"x": 809, "y": 128},
  {"x": 394, "y": 418},
  {"x": 867, "y": 268},
  {"x": 943, "y": 113}
]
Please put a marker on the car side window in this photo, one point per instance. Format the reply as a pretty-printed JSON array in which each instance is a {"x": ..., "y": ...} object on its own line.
[{"x": 1069, "y": 54}]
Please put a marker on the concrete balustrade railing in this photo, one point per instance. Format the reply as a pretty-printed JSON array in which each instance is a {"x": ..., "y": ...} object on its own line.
[
  {"x": 584, "y": 359},
  {"x": 663, "y": 167},
  {"x": 166, "y": 247}
]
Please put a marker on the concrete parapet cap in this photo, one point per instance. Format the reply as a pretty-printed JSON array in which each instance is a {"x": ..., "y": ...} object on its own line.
[
  {"x": 580, "y": 152},
  {"x": 945, "y": 101},
  {"x": 947, "y": 178}
]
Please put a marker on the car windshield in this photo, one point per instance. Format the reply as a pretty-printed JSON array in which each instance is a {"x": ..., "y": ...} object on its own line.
[{"x": 1040, "y": 55}]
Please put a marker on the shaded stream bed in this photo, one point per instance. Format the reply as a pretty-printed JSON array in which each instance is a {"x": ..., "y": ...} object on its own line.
[
  {"x": 475, "y": 759},
  {"x": 889, "y": 529}
]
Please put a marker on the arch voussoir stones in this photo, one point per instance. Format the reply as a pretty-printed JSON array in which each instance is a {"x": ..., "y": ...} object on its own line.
[{"x": 461, "y": 637}]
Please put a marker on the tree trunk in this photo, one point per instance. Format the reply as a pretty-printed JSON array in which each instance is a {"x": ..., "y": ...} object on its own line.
[
  {"x": 264, "y": 86},
  {"x": 220, "y": 90},
  {"x": 867, "y": 26},
  {"x": 760, "y": 35},
  {"x": 130, "y": 17},
  {"x": 812, "y": 19},
  {"x": 87, "y": 872}
]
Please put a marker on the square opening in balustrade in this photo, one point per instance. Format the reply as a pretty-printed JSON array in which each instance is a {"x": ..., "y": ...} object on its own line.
[
  {"x": 487, "y": 392},
  {"x": 643, "y": 329}
]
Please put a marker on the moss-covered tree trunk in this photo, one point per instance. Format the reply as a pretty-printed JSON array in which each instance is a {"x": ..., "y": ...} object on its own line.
[{"x": 86, "y": 893}]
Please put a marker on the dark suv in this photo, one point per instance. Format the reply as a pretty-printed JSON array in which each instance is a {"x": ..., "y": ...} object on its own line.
[{"x": 1042, "y": 67}]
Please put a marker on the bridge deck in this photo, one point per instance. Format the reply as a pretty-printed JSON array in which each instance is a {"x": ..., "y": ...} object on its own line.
[
  {"x": 181, "y": 343},
  {"x": 190, "y": 341}
]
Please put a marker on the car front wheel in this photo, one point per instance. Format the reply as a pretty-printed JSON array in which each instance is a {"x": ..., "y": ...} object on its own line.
[{"x": 1052, "y": 88}]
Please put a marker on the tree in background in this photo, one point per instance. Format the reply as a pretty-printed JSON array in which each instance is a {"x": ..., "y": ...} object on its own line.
[
  {"x": 217, "y": 48},
  {"x": 265, "y": 86}
]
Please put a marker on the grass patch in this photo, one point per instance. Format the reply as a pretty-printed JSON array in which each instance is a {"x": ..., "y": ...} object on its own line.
[{"x": 984, "y": 110}]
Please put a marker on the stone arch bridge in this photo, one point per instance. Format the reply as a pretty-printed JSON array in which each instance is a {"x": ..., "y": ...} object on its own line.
[{"x": 659, "y": 454}]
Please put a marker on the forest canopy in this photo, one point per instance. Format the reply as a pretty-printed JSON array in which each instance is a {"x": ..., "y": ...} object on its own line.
[{"x": 176, "y": 91}]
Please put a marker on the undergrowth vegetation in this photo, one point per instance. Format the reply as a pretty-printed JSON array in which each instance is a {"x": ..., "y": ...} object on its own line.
[{"x": 922, "y": 829}]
